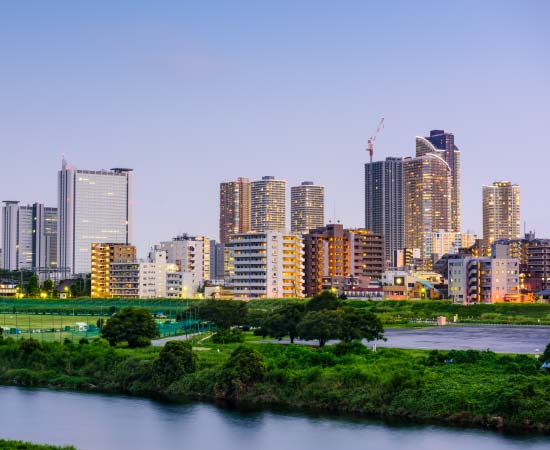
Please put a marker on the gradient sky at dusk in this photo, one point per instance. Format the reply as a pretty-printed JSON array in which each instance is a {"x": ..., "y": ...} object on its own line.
[{"x": 193, "y": 93}]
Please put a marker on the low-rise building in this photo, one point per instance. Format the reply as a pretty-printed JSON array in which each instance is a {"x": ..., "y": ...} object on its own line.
[{"x": 483, "y": 280}]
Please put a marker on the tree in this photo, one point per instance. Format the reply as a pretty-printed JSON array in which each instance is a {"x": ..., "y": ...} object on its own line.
[
  {"x": 223, "y": 313},
  {"x": 358, "y": 324},
  {"x": 175, "y": 360},
  {"x": 321, "y": 325},
  {"x": 283, "y": 322},
  {"x": 33, "y": 286},
  {"x": 546, "y": 354},
  {"x": 243, "y": 369},
  {"x": 133, "y": 325},
  {"x": 48, "y": 287},
  {"x": 325, "y": 300}
]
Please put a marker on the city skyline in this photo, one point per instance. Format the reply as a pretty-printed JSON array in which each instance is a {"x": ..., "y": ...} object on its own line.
[{"x": 300, "y": 107}]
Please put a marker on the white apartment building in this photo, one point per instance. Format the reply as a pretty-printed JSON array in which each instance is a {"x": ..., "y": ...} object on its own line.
[
  {"x": 483, "y": 280},
  {"x": 93, "y": 206},
  {"x": 192, "y": 255},
  {"x": 439, "y": 243},
  {"x": 160, "y": 279},
  {"x": 266, "y": 265}
]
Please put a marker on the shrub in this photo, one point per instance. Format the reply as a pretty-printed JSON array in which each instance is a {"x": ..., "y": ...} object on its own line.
[
  {"x": 29, "y": 346},
  {"x": 175, "y": 360},
  {"x": 244, "y": 368},
  {"x": 225, "y": 336}
]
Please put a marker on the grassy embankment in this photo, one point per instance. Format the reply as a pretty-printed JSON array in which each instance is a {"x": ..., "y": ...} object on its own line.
[
  {"x": 19, "y": 445},
  {"x": 477, "y": 388},
  {"x": 398, "y": 312}
]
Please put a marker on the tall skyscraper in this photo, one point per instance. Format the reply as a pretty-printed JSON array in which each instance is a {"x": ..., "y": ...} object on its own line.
[
  {"x": 445, "y": 144},
  {"x": 307, "y": 207},
  {"x": 384, "y": 203},
  {"x": 427, "y": 191},
  {"x": 29, "y": 236},
  {"x": 501, "y": 212},
  {"x": 235, "y": 208},
  {"x": 268, "y": 205},
  {"x": 93, "y": 206}
]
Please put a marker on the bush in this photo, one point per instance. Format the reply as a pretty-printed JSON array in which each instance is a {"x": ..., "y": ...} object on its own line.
[
  {"x": 29, "y": 346},
  {"x": 175, "y": 360},
  {"x": 225, "y": 336},
  {"x": 244, "y": 368},
  {"x": 135, "y": 326}
]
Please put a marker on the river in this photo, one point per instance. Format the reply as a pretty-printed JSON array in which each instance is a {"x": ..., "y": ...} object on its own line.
[{"x": 101, "y": 422}]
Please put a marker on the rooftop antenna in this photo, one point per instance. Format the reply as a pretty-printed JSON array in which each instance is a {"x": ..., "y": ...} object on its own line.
[{"x": 370, "y": 143}]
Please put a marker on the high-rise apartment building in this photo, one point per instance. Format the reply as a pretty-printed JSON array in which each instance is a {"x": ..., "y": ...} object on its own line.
[
  {"x": 384, "y": 203},
  {"x": 191, "y": 254},
  {"x": 501, "y": 212},
  {"x": 427, "y": 191},
  {"x": 104, "y": 256},
  {"x": 93, "y": 206},
  {"x": 266, "y": 265},
  {"x": 445, "y": 144},
  {"x": 29, "y": 236},
  {"x": 235, "y": 208},
  {"x": 333, "y": 251},
  {"x": 268, "y": 205},
  {"x": 307, "y": 207}
]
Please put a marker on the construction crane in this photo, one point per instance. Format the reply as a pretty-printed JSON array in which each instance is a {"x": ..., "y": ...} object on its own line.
[{"x": 370, "y": 144}]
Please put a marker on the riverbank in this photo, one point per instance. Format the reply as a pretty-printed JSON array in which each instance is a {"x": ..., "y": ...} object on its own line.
[
  {"x": 467, "y": 388},
  {"x": 20, "y": 445}
]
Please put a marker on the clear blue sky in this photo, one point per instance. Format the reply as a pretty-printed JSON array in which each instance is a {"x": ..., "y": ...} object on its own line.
[{"x": 193, "y": 93}]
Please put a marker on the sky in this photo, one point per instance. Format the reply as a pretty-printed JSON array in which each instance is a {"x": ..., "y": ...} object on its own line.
[{"x": 190, "y": 94}]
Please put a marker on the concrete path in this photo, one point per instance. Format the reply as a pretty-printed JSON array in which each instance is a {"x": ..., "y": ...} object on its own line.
[
  {"x": 500, "y": 339},
  {"x": 162, "y": 342}
]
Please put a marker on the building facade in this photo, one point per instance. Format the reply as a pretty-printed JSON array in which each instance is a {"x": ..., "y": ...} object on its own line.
[
  {"x": 483, "y": 280},
  {"x": 427, "y": 191},
  {"x": 192, "y": 255},
  {"x": 384, "y": 203},
  {"x": 333, "y": 251},
  {"x": 235, "y": 208},
  {"x": 93, "y": 206},
  {"x": 217, "y": 261},
  {"x": 445, "y": 144},
  {"x": 268, "y": 211},
  {"x": 29, "y": 236},
  {"x": 307, "y": 207},
  {"x": 266, "y": 265},
  {"x": 501, "y": 212},
  {"x": 104, "y": 256}
]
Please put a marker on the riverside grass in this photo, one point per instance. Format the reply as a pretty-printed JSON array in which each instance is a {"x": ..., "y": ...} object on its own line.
[
  {"x": 391, "y": 312},
  {"x": 478, "y": 388},
  {"x": 20, "y": 445}
]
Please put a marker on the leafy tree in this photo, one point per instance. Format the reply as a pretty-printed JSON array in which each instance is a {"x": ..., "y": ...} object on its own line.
[
  {"x": 321, "y": 325},
  {"x": 175, "y": 360},
  {"x": 100, "y": 323},
  {"x": 546, "y": 354},
  {"x": 133, "y": 325},
  {"x": 29, "y": 346},
  {"x": 283, "y": 322},
  {"x": 325, "y": 300},
  {"x": 33, "y": 286},
  {"x": 243, "y": 369},
  {"x": 358, "y": 324},
  {"x": 223, "y": 313},
  {"x": 48, "y": 287}
]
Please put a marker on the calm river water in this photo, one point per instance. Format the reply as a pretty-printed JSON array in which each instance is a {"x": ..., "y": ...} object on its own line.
[{"x": 100, "y": 422}]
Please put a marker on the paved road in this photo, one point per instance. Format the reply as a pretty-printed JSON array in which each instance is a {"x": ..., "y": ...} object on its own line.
[
  {"x": 162, "y": 342},
  {"x": 498, "y": 339}
]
